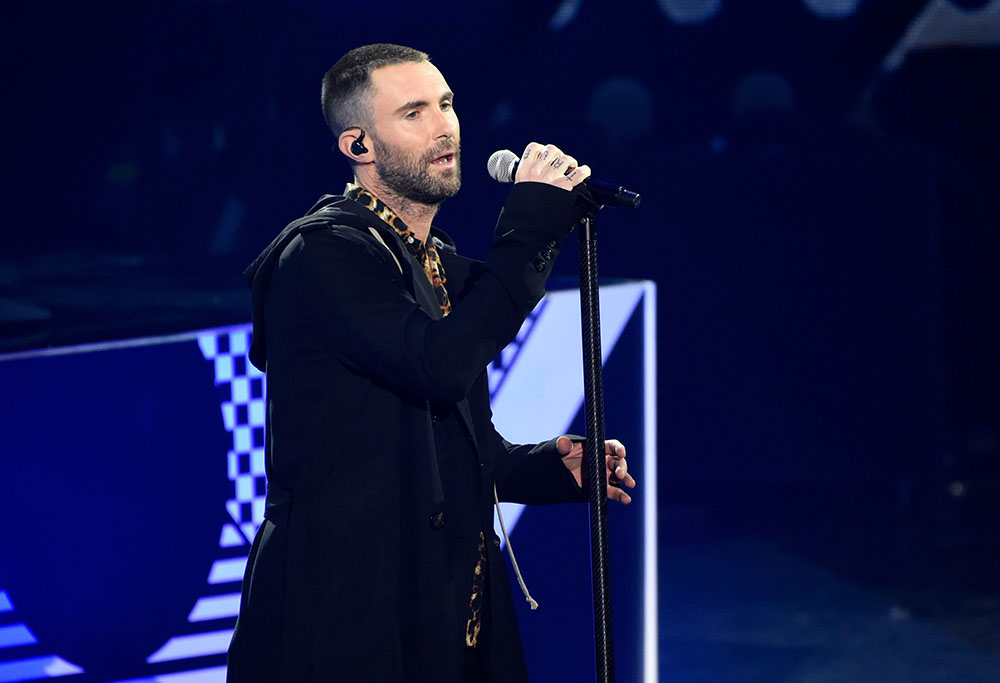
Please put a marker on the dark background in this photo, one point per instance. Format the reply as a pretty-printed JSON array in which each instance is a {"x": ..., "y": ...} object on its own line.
[{"x": 821, "y": 222}]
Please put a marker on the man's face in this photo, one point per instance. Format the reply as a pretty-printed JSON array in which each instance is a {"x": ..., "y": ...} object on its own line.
[{"x": 416, "y": 134}]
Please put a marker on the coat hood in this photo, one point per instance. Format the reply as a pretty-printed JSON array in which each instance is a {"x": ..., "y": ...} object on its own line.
[{"x": 330, "y": 210}]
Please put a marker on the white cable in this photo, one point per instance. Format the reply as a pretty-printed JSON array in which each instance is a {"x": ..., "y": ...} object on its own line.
[{"x": 510, "y": 551}]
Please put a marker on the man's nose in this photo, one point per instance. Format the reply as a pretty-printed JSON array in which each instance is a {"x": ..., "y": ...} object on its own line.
[{"x": 447, "y": 125}]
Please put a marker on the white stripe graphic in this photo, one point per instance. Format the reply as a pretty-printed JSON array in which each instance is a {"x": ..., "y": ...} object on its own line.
[
  {"x": 48, "y": 666},
  {"x": 16, "y": 634},
  {"x": 216, "y": 674},
  {"x": 650, "y": 609},
  {"x": 224, "y": 571},
  {"x": 215, "y": 607},
  {"x": 183, "y": 647}
]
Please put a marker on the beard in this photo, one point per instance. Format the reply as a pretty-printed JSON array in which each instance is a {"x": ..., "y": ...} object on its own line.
[{"x": 409, "y": 176}]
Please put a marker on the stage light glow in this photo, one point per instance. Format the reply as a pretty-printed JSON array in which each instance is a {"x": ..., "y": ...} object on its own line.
[
  {"x": 832, "y": 9},
  {"x": 565, "y": 14},
  {"x": 690, "y": 11},
  {"x": 762, "y": 92},
  {"x": 623, "y": 107}
]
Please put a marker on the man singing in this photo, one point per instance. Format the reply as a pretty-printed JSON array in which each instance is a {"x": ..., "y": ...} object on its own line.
[{"x": 377, "y": 559}]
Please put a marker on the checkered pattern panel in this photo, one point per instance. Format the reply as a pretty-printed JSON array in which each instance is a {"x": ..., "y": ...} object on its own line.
[{"x": 243, "y": 387}]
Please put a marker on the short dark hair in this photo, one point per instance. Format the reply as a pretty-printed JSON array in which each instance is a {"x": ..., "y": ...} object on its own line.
[{"x": 347, "y": 85}]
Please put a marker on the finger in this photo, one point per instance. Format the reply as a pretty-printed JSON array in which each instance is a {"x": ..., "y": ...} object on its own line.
[
  {"x": 561, "y": 166},
  {"x": 577, "y": 176},
  {"x": 619, "y": 495},
  {"x": 549, "y": 153},
  {"x": 615, "y": 456},
  {"x": 530, "y": 152},
  {"x": 618, "y": 472},
  {"x": 615, "y": 472},
  {"x": 564, "y": 445},
  {"x": 623, "y": 476},
  {"x": 620, "y": 466},
  {"x": 563, "y": 163},
  {"x": 567, "y": 163},
  {"x": 536, "y": 163}
]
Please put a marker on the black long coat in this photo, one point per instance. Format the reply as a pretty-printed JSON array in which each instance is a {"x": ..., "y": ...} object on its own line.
[{"x": 349, "y": 577}]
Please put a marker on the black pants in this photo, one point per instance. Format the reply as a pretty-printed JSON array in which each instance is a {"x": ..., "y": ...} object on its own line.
[{"x": 473, "y": 670}]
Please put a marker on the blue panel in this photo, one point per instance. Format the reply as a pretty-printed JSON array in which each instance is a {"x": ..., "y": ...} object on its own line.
[
  {"x": 5, "y": 604},
  {"x": 119, "y": 447}
]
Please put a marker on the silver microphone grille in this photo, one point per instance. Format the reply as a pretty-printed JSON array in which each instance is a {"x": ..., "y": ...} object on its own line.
[{"x": 501, "y": 165}]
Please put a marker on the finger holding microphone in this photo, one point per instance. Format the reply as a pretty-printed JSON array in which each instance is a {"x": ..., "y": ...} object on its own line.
[
  {"x": 504, "y": 166},
  {"x": 547, "y": 164}
]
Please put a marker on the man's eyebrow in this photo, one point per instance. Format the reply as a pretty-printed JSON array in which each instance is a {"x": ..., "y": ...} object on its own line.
[{"x": 417, "y": 104}]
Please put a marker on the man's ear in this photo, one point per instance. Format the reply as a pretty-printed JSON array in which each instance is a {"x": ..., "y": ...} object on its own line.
[{"x": 352, "y": 145}]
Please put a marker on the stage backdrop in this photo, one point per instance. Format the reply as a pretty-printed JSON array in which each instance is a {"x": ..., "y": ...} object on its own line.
[{"x": 134, "y": 482}]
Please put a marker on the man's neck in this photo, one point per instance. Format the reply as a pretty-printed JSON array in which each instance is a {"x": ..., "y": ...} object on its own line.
[{"x": 417, "y": 216}]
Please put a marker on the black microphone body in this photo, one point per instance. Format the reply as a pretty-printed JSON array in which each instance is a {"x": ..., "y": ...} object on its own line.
[{"x": 502, "y": 166}]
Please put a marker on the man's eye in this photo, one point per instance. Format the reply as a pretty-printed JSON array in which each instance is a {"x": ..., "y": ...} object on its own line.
[
  {"x": 412, "y": 114},
  {"x": 445, "y": 106}
]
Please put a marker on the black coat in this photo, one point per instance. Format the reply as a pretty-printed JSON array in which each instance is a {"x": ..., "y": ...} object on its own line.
[{"x": 349, "y": 578}]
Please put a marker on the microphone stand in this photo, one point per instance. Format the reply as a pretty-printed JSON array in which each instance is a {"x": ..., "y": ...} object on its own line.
[
  {"x": 593, "y": 383},
  {"x": 593, "y": 402}
]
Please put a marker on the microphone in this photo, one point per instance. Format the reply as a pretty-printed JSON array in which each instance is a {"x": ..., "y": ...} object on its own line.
[{"x": 502, "y": 166}]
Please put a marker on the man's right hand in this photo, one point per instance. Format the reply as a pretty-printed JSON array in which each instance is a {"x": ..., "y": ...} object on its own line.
[{"x": 548, "y": 164}]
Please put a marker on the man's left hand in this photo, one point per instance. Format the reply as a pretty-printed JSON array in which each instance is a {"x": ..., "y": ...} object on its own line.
[{"x": 614, "y": 458}]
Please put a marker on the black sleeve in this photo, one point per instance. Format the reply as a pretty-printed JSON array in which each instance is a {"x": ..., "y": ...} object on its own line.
[
  {"x": 365, "y": 315},
  {"x": 535, "y": 475}
]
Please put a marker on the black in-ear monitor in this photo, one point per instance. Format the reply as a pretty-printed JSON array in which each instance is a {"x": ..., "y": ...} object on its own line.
[{"x": 358, "y": 146}]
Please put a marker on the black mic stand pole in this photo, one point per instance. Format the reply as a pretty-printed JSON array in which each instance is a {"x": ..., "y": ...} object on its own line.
[
  {"x": 593, "y": 401},
  {"x": 594, "y": 197}
]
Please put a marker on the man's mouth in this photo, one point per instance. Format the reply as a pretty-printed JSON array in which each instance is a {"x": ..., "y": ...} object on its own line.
[{"x": 444, "y": 160}]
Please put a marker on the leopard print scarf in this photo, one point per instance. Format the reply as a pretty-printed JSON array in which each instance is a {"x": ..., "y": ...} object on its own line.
[{"x": 425, "y": 253}]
